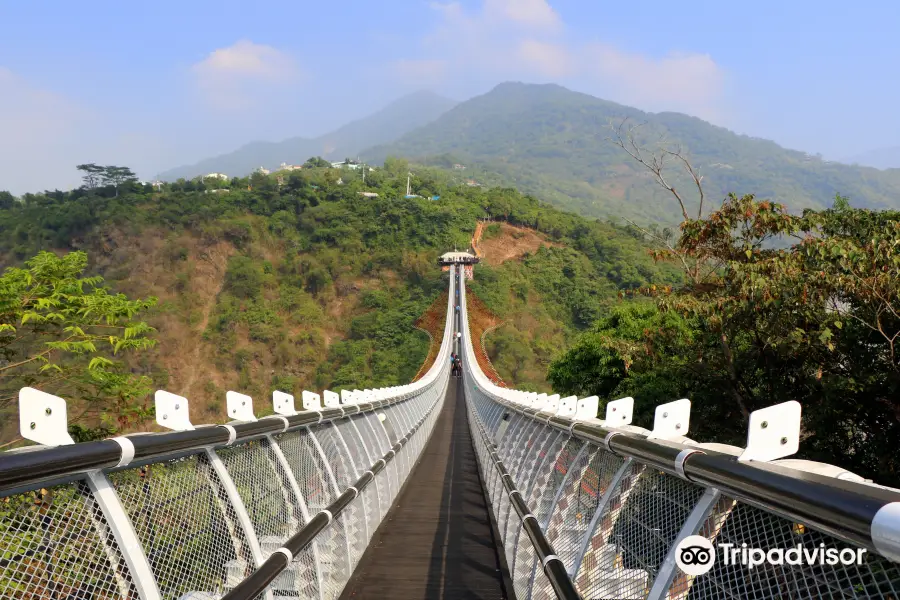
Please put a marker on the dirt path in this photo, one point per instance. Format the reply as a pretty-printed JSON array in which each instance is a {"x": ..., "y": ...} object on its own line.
[
  {"x": 211, "y": 270},
  {"x": 432, "y": 323},
  {"x": 479, "y": 231},
  {"x": 481, "y": 321},
  {"x": 512, "y": 242}
]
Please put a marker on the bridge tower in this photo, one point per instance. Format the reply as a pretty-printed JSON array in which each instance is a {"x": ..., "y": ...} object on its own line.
[{"x": 466, "y": 259}]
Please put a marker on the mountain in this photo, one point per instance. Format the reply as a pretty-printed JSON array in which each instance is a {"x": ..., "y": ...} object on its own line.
[
  {"x": 386, "y": 125},
  {"x": 885, "y": 158},
  {"x": 553, "y": 142}
]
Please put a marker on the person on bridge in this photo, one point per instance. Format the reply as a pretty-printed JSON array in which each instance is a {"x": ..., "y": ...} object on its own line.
[
  {"x": 458, "y": 367},
  {"x": 457, "y": 308}
]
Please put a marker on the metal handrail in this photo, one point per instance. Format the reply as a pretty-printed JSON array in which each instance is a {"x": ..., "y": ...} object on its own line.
[
  {"x": 863, "y": 514},
  {"x": 257, "y": 582},
  {"x": 552, "y": 566},
  {"x": 24, "y": 469}
]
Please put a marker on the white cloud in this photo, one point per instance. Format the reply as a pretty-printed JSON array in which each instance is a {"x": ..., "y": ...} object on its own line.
[
  {"x": 685, "y": 82},
  {"x": 233, "y": 78},
  {"x": 504, "y": 38},
  {"x": 527, "y": 40},
  {"x": 534, "y": 13},
  {"x": 547, "y": 58}
]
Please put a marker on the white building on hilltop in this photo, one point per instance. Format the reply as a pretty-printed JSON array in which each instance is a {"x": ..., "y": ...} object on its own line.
[
  {"x": 222, "y": 176},
  {"x": 352, "y": 165}
]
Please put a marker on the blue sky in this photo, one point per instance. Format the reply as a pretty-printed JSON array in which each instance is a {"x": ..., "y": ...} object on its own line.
[{"x": 156, "y": 85}]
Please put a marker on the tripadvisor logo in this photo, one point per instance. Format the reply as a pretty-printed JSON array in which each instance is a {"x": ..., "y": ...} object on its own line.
[{"x": 695, "y": 555}]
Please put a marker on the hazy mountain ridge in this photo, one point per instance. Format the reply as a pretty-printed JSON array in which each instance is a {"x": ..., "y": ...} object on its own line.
[
  {"x": 383, "y": 126},
  {"x": 883, "y": 158},
  {"x": 553, "y": 142}
]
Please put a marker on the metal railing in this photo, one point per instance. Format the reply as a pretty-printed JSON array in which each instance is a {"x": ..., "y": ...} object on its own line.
[
  {"x": 600, "y": 507},
  {"x": 282, "y": 506},
  {"x": 285, "y": 506}
]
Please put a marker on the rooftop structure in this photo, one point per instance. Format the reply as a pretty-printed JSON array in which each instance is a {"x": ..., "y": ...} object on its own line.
[{"x": 456, "y": 258}]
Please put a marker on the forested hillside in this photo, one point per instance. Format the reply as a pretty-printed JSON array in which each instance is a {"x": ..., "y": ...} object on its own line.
[
  {"x": 553, "y": 142},
  {"x": 300, "y": 282}
]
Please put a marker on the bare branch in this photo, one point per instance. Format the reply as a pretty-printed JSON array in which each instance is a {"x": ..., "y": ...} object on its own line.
[
  {"x": 695, "y": 175},
  {"x": 625, "y": 138}
]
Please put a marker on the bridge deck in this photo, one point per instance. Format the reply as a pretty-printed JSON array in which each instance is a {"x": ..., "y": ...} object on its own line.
[{"x": 438, "y": 541}]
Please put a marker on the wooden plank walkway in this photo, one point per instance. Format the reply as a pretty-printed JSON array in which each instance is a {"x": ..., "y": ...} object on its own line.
[{"x": 438, "y": 542}]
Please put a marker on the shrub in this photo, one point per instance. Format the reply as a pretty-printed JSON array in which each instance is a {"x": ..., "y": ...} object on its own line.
[{"x": 243, "y": 278}]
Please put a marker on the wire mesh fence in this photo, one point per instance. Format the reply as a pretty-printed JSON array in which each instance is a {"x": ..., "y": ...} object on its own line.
[
  {"x": 205, "y": 520},
  {"x": 615, "y": 523},
  {"x": 54, "y": 546},
  {"x": 187, "y": 528},
  {"x": 194, "y": 524},
  {"x": 196, "y": 518}
]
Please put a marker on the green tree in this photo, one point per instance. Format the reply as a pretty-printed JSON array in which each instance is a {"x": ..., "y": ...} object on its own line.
[
  {"x": 63, "y": 333},
  {"x": 243, "y": 278},
  {"x": 316, "y": 161},
  {"x": 817, "y": 322},
  {"x": 116, "y": 176},
  {"x": 93, "y": 174},
  {"x": 7, "y": 200},
  {"x": 396, "y": 167}
]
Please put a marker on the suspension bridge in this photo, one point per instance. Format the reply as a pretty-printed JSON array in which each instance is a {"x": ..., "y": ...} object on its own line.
[{"x": 448, "y": 487}]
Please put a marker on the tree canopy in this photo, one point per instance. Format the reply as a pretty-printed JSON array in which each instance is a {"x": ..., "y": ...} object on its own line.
[
  {"x": 817, "y": 322},
  {"x": 63, "y": 332},
  {"x": 267, "y": 274}
]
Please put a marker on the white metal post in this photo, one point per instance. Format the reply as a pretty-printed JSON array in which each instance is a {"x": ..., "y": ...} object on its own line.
[
  {"x": 126, "y": 538},
  {"x": 691, "y": 526},
  {"x": 301, "y": 501}
]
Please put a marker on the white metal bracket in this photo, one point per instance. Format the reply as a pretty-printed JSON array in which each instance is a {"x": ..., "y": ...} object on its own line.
[
  {"x": 311, "y": 401},
  {"x": 567, "y": 406},
  {"x": 671, "y": 420},
  {"x": 331, "y": 399},
  {"x": 552, "y": 404},
  {"x": 347, "y": 397},
  {"x": 283, "y": 403},
  {"x": 619, "y": 412},
  {"x": 774, "y": 432},
  {"x": 239, "y": 406},
  {"x": 42, "y": 418},
  {"x": 587, "y": 408},
  {"x": 172, "y": 411}
]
